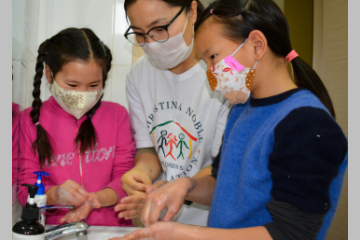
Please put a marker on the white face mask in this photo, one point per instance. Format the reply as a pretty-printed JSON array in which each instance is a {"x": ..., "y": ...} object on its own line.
[
  {"x": 231, "y": 79},
  {"x": 171, "y": 53},
  {"x": 73, "y": 102}
]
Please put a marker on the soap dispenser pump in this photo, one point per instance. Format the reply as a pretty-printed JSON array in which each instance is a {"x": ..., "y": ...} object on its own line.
[
  {"x": 40, "y": 197},
  {"x": 29, "y": 227}
]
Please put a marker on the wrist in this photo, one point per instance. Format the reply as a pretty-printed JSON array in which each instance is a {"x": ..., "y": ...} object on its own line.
[{"x": 189, "y": 183}]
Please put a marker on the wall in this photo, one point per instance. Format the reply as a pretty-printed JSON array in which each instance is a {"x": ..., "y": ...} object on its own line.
[
  {"x": 300, "y": 17},
  {"x": 331, "y": 63},
  {"x": 36, "y": 20}
]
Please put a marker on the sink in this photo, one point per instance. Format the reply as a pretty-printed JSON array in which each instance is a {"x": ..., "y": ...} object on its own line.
[{"x": 99, "y": 233}]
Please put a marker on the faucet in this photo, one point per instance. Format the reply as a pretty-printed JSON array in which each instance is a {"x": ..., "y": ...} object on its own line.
[{"x": 80, "y": 228}]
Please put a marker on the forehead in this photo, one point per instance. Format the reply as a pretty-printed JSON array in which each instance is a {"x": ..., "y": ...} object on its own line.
[
  {"x": 146, "y": 11},
  {"x": 208, "y": 34},
  {"x": 82, "y": 70}
]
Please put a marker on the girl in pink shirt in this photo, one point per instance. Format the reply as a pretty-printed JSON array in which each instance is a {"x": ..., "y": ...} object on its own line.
[{"x": 85, "y": 144}]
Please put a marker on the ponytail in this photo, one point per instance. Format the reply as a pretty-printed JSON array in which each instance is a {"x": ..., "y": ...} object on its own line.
[
  {"x": 305, "y": 76},
  {"x": 41, "y": 145}
]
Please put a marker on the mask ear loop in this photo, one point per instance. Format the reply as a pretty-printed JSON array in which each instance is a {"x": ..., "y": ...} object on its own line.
[{"x": 239, "y": 47}]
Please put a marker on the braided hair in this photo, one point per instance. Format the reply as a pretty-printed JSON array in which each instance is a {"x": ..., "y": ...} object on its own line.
[{"x": 68, "y": 45}]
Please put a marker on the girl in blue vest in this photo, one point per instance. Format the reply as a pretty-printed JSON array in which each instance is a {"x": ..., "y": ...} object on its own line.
[{"x": 281, "y": 167}]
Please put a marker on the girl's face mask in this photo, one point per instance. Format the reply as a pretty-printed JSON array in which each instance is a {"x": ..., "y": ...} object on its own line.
[
  {"x": 231, "y": 79},
  {"x": 75, "y": 103}
]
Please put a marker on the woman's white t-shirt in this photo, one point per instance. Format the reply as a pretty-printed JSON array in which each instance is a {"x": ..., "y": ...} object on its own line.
[{"x": 181, "y": 116}]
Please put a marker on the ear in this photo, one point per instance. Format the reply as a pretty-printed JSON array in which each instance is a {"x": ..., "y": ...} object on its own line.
[
  {"x": 259, "y": 44},
  {"x": 48, "y": 74},
  {"x": 193, "y": 12}
]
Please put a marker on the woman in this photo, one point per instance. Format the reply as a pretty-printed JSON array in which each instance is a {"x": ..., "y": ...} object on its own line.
[{"x": 177, "y": 121}]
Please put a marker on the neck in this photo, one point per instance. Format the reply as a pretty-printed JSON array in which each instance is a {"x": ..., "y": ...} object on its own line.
[
  {"x": 191, "y": 61},
  {"x": 271, "y": 79}
]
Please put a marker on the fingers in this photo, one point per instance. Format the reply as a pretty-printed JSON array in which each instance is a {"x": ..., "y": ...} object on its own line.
[
  {"x": 70, "y": 193},
  {"x": 77, "y": 214},
  {"x": 170, "y": 213},
  {"x": 94, "y": 200},
  {"x": 130, "y": 214}
]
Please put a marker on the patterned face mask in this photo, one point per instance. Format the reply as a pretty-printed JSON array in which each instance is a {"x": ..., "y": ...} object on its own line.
[
  {"x": 231, "y": 79},
  {"x": 73, "y": 102}
]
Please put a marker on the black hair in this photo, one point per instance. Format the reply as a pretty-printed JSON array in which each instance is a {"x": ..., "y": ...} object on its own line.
[
  {"x": 175, "y": 3},
  {"x": 71, "y": 44},
  {"x": 239, "y": 17}
]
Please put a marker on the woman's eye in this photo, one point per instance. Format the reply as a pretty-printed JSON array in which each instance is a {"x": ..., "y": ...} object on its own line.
[{"x": 213, "y": 56}]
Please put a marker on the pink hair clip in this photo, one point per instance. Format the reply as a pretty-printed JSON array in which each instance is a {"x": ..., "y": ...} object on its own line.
[
  {"x": 291, "y": 56},
  {"x": 37, "y": 123},
  {"x": 212, "y": 11}
]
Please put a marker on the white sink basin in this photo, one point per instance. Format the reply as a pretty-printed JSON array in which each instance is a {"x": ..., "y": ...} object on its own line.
[{"x": 100, "y": 233}]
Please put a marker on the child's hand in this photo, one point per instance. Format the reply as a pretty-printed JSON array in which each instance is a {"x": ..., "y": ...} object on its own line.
[
  {"x": 70, "y": 193},
  {"x": 136, "y": 181},
  {"x": 132, "y": 206},
  {"x": 82, "y": 211}
]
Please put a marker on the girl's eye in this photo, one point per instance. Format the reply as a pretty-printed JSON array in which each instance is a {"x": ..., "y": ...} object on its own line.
[
  {"x": 94, "y": 85},
  {"x": 213, "y": 56},
  {"x": 71, "y": 85}
]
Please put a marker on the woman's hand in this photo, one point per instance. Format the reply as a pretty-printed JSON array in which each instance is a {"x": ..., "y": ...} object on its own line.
[
  {"x": 69, "y": 193},
  {"x": 132, "y": 206},
  {"x": 83, "y": 210},
  {"x": 170, "y": 196},
  {"x": 137, "y": 180},
  {"x": 158, "y": 231}
]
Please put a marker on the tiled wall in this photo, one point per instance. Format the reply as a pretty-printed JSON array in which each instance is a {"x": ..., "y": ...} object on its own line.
[{"x": 33, "y": 21}]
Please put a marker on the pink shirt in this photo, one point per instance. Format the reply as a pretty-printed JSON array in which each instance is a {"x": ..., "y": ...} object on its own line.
[
  {"x": 94, "y": 170},
  {"x": 15, "y": 145}
]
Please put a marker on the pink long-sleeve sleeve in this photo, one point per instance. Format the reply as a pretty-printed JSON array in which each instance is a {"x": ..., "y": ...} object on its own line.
[{"x": 124, "y": 154}]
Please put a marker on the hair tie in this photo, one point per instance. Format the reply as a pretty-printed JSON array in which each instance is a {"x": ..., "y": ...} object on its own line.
[
  {"x": 103, "y": 47},
  {"x": 211, "y": 11},
  {"x": 36, "y": 123},
  {"x": 90, "y": 115},
  {"x": 291, "y": 56}
]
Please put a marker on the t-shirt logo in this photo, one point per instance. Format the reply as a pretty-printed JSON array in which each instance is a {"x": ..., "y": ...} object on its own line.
[{"x": 169, "y": 142}]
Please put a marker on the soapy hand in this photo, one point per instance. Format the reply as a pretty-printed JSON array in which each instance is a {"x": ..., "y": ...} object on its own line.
[
  {"x": 83, "y": 210},
  {"x": 70, "y": 193},
  {"x": 170, "y": 196},
  {"x": 158, "y": 231},
  {"x": 132, "y": 206},
  {"x": 136, "y": 181}
]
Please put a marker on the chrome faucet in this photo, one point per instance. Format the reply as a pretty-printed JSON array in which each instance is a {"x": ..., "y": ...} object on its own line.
[{"x": 80, "y": 228}]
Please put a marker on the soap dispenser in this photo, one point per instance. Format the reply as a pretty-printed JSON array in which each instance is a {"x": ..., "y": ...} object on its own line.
[
  {"x": 29, "y": 228},
  {"x": 40, "y": 197}
]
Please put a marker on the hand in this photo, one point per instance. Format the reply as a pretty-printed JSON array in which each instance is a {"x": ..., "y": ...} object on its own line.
[
  {"x": 158, "y": 231},
  {"x": 132, "y": 206},
  {"x": 70, "y": 193},
  {"x": 170, "y": 196},
  {"x": 137, "y": 180},
  {"x": 82, "y": 211}
]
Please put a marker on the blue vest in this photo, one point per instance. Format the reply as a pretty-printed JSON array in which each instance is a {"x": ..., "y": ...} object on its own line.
[{"x": 244, "y": 181}]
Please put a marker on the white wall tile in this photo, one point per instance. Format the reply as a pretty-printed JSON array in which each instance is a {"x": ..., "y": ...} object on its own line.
[
  {"x": 122, "y": 47},
  {"x": 18, "y": 86},
  {"x": 99, "y": 17},
  {"x": 18, "y": 7},
  {"x": 118, "y": 89}
]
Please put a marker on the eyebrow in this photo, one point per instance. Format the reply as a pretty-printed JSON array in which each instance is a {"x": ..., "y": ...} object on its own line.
[
  {"x": 151, "y": 24},
  {"x": 74, "y": 81}
]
